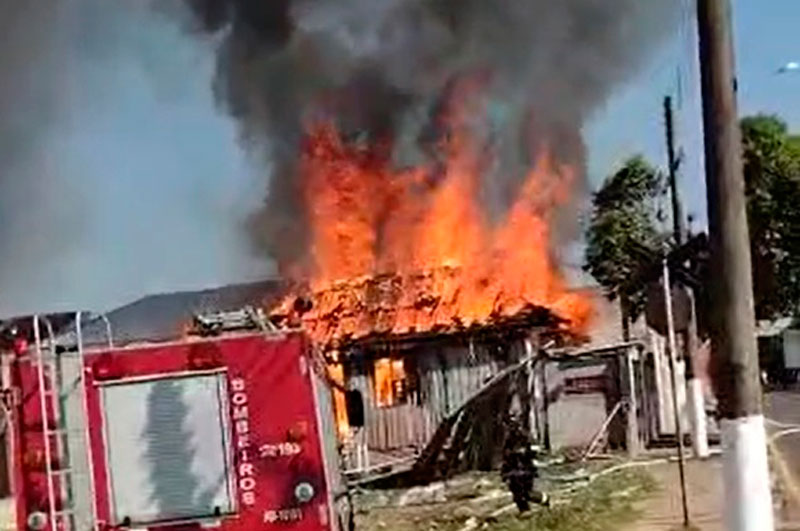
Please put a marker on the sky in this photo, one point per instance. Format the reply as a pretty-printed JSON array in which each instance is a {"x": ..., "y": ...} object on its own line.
[
  {"x": 632, "y": 122},
  {"x": 158, "y": 186},
  {"x": 142, "y": 186}
]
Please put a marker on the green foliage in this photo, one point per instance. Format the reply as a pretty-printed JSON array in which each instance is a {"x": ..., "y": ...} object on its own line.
[
  {"x": 623, "y": 229},
  {"x": 772, "y": 177},
  {"x": 606, "y": 504}
]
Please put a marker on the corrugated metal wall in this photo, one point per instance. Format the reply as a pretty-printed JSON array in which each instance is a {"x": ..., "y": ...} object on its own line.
[{"x": 168, "y": 448}]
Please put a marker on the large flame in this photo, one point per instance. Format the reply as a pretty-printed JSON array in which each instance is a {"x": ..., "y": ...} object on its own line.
[
  {"x": 422, "y": 239},
  {"x": 395, "y": 251},
  {"x": 414, "y": 251}
]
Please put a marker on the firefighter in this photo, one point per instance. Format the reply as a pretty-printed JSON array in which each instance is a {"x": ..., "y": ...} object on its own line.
[{"x": 519, "y": 469}]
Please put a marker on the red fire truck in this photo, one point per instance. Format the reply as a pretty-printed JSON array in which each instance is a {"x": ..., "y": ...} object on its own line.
[{"x": 232, "y": 429}]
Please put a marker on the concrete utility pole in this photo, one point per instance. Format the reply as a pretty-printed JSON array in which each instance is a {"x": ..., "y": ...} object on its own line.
[
  {"x": 695, "y": 393},
  {"x": 694, "y": 387},
  {"x": 748, "y": 500}
]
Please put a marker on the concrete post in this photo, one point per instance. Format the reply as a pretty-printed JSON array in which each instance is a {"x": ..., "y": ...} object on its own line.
[{"x": 632, "y": 438}]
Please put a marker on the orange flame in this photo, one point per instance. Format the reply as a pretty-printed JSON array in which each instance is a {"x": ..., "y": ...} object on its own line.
[
  {"x": 336, "y": 373},
  {"x": 428, "y": 226}
]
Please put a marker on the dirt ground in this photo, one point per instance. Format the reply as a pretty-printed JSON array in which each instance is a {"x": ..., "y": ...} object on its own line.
[
  {"x": 663, "y": 509},
  {"x": 657, "y": 508}
]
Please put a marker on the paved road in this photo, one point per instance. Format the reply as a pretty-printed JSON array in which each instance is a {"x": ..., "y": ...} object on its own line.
[{"x": 782, "y": 409}]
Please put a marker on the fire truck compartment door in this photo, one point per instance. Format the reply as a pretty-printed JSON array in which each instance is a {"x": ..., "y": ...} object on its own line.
[{"x": 168, "y": 449}]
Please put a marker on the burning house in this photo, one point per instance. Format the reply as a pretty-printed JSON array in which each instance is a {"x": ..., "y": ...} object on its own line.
[
  {"x": 425, "y": 163},
  {"x": 416, "y": 299},
  {"x": 417, "y": 366},
  {"x": 393, "y": 340},
  {"x": 414, "y": 295}
]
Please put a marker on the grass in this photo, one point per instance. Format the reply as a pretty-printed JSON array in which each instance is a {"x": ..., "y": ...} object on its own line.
[{"x": 604, "y": 505}]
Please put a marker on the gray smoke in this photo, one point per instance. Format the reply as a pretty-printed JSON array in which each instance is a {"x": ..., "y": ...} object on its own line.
[
  {"x": 381, "y": 68},
  {"x": 107, "y": 125},
  {"x": 33, "y": 198}
]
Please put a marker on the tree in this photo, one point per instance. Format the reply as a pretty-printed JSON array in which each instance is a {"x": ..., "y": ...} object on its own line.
[
  {"x": 772, "y": 179},
  {"x": 623, "y": 233}
]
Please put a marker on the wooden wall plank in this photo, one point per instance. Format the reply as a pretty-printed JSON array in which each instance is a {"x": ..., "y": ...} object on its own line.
[
  {"x": 446, "y": 377},
  {"x": 390, "y": 414}
]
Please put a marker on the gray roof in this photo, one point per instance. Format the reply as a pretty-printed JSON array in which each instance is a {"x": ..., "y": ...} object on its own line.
[{"x": 161, "y": 317}]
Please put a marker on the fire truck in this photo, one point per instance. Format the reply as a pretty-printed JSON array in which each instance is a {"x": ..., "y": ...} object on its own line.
[{"x": 228, "y": 427}]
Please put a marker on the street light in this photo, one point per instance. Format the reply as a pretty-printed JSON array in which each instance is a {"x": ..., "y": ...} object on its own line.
[{"x": 792, "y": 66}]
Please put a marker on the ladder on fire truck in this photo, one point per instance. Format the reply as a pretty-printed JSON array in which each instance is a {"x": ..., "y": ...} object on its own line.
[{"x": 64, "y": 410}]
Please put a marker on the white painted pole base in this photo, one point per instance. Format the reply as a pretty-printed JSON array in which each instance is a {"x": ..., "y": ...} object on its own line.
[
  {"x": 747, "y": 504},
  {"x": 697, "y": 412}
]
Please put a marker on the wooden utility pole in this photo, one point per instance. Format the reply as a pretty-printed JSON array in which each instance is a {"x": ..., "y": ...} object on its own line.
[
  {"x": 677, "y": 215},
  {"x": 673, "y": 354},
  {"x": 748, "y": 499}
]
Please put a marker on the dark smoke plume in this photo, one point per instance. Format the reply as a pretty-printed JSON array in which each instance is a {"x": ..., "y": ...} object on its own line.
[{"x": 381, "y": 67}]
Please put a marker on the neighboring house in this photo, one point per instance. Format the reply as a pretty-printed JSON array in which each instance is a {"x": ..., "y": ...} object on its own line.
[
  {"x": 779, "y": 349},
  {"x": 656, "y": 392},
  {"x": 163, "y": 317}
]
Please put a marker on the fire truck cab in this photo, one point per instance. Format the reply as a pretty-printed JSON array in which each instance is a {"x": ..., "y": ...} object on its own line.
[{"x": 231, "y": 429}]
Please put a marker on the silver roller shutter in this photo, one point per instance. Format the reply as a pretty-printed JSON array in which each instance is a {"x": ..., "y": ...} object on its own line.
[{"x": 168, "y": 449}]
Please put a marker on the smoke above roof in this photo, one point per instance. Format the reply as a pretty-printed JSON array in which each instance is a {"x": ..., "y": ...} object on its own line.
[
  {"x": 382, "y": 69},
  {"x": 70, "y": 71}
]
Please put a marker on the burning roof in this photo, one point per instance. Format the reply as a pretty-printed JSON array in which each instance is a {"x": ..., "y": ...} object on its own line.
[
  {"x": 398, "y": 252},
  {"x": 399, "y": 307}
]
